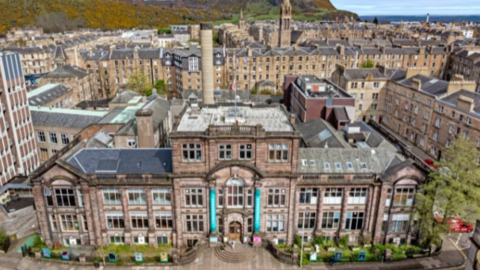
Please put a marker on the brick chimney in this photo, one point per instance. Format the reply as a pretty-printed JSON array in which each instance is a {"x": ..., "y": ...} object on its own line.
[
  {"x": 145, "y": 132},
  {"x": 416, "y": 84},
  {"x": 465, "y": 103}
]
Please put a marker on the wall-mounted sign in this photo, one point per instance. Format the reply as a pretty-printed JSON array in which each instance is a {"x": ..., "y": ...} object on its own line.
[
  {"x": 362, "y": 256},
  {"x": 338, "y": 256},
  {"x": 257, "y": 210},
  {"x": 46, "y": 253},
  {"x": 213, "y": 214},
  {"x": 112, "y": 257},
  {"x": 138, "y": 257},
  {"x": 65, "y": 255},
  {"x": 163, "y": 257}
]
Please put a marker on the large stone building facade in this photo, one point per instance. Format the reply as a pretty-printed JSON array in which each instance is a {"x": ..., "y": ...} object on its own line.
[{"x": 243, "y": 175}]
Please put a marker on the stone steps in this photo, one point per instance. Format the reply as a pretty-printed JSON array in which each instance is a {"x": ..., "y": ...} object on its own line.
[{"x": 241, "y": 254}]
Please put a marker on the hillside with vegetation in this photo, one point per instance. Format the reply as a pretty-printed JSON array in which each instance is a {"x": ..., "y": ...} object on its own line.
[{"x": 63, "y": 15}]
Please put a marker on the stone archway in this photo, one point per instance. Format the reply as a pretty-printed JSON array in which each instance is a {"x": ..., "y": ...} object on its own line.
[{"x": 234, "y": 221}]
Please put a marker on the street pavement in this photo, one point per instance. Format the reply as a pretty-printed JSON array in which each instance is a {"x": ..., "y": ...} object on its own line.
[{"x": 451, "y": 258}]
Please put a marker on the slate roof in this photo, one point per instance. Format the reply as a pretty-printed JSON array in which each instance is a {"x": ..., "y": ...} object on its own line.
[
  {"x": 45, "y": 94},
  {"x": 123, "y": 161},
  {"x": 67, "y": 120},
  {"x": 59, "y": 53},
  {"x": 160, "y": 108},
  {"x": 361, "y": 73},
  {"x": 453, "y": 98},
  {"x": 363, "y": 160},
  {"x": 125, "y": 96},
  {"x": 429, "y": 84},
  {"x": 67, "y": 71},
  {"x": 319, "y": 133}
]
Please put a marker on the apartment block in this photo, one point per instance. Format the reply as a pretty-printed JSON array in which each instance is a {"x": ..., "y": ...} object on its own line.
[{"x": 18, "y": 152}]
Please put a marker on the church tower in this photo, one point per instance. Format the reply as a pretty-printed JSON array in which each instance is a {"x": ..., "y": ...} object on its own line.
[
  {"x": 241, "y": 21},
  {"x": 285, "y": 31}
]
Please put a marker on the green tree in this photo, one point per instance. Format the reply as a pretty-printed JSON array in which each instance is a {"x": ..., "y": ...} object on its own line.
[
  {"x": 164, "y": 31},
  {"x": 368, "y": 64},
  {"x": 138, "y": 82},
  {"x": 452, "y": 190},
  {"x": 161, "y": 87},
  {"x": 375, "y": 20}
]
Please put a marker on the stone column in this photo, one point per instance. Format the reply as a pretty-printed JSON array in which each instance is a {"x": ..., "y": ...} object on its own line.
[
  {"x": 346, "y": 193},
  {"x": 88, "y": 213},
  {"x": 318, "y": 222},
  {"x": 126, "y": 216},
  {"x": 42, "y": 215},
  {"x": 97, "y": 208},
  {"x": 151, "y": 218},
  {"x": 292, "y": 201},
  {"x": 377, "y": 238},
  {"x": 177, "y": 198}
]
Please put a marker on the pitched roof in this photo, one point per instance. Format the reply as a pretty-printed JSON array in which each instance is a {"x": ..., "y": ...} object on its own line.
[
  {"x": 453, "y": 98},
  {"x": 430, "y": 85},
  {"x": 67, "y": 71},
  {"x": 319, "y": 133},
  {"x": 64, "y": 117},
  {"x": 123, "y": 161},
  {"x": 46, "y": 93}
]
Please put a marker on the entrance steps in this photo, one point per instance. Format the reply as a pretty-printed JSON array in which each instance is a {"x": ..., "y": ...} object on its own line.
[{"x": 241, "y": 253}]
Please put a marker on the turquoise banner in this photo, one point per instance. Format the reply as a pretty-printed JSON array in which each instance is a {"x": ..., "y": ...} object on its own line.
[
  {"x": 213, "y": 211},
  {"x": 257, "y": 210}
]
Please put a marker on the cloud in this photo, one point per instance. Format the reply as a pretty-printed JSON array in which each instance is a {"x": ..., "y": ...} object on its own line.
[{"x": 410, "y": 7}]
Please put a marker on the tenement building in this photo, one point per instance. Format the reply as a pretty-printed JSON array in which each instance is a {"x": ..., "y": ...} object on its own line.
[{"x": 232, "y": 171}]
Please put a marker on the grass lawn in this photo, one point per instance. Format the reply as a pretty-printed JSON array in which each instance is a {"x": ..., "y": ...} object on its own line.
[{"x": 126, "y": 253}]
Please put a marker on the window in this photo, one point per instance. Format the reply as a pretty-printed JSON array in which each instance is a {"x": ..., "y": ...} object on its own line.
[
  {"x": 65, "y": 197},
  {"x": 131, "y": 142},
  {"x": 69, "y": 222},
  {"x": 354, "y": 221},
  {"x": 85, "y": 223},
  {"x": 361, "y": 95},
  {"x": 332, "y": 196},
  {"x": 117, "y": 240},
  {"x": 235, "y": 193},
  {"x": 400, "y": 223},
  {"x": 136, "y": 196},
  {"x": 388, "y": 200},
  {"x": 220, "y": 198},
  {"x": 450, "y": 129},
  {"x": 192, "y": 152},
  {"x": 276, "y": 197},
  {"x": 139, "y": 220},
  {"x": 140, "y": 240},
  {"x": 194, "y": 223},
  {"x": 65, "y": 139},
  {"x": 193, "y": 64},
  {"x": 225, "y": 151},
  {"x": 375, "y": 96},
  {"x": 330, "y": 220},
  {"x": 307, "y": 221},
  {"x": 53, "y": 137},
  {"x": 357, "y": 196},
  {"x": 250, "y": 198},
  {"x": 43, "y": 153},
  {"x": 278, "y": 152},
  {"x": 349, "y": 166},
  {"x": 162, "y": 196},
  {"x": 404, "y": 197},
  {"x": 193, "y": 197},
  {"x": 250, "y": 225},
  {"x": 245, "y": 151},
  {"x": 163, "y": 221},
  {"x": 360, "y": 107},
  {"x": 376, "y": 84},
  {"x": 275, "y": 223},
  {"x": 53, "y": 223},
  {"x": 354, "y": 85},
  {"x": 80, "y": 197},
  {"x": 115, "y": 220},
  {"x": 308, "y": 195},
  {"x": 112, "y": 196},
  {"x": 41, "y": 136}
]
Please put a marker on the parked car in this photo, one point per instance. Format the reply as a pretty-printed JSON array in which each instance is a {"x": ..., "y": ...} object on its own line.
[{"x": 455, "y": 224}]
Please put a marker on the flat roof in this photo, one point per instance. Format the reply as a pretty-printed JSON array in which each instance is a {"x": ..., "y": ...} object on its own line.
[
  {"x": 273, "y": 119},
  {"x": 68, "y": 111}
]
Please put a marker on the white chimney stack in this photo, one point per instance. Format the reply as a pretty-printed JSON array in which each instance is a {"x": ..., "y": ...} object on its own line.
[{"x": 206, "y": 37}]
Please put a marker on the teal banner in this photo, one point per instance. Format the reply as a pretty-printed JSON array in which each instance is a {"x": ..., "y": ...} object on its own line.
[
  {"x": 213, "y": 211},
  {"x": 257, "y": 210}
]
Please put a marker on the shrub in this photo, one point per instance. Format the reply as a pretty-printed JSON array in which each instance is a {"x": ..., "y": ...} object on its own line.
[
  {"x": 281, "y": 245},
  {"x": 319, "y": 240},
  {"x": 329, "y": 244},
  {"x": 398, "y": 256},
  {"x": 119, "y": 263},
  {"x": 343, "y": 242},
  {"x": 297, "y": 240}
]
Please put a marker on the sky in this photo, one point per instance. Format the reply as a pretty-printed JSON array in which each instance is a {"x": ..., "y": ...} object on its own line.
[{"x": 410, "y": 7}]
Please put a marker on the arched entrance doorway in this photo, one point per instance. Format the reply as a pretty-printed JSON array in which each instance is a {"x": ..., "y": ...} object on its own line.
[{"x": 234, "y": 230}]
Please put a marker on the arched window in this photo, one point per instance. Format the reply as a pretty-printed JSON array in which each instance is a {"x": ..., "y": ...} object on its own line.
[{"x": 235, "y": 193}]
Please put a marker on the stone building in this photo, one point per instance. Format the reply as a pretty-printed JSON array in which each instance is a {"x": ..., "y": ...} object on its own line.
[
  {"x": 75, "y": 78},
  {"x": 285, "y": 25},
  {"x": 18, "y": 151},
  {"x": 53, "y": 95},
  {"x": 231, "y": 171},
  {"x": 465, "y": 62}
]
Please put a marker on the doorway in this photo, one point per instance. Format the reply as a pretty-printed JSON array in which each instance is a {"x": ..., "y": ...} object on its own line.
[{"x": 234, "y": 230}]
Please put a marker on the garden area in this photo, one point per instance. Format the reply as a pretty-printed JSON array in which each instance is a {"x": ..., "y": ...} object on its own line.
[{"x": 350, "y": 253}]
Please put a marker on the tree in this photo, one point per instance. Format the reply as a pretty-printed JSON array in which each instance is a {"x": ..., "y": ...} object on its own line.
[
  {"x": 161, "y": 87},
  {"x": 368, "y": 64},
  {"x": 375, "y": 20},
  {"x": 138, "y": 82},
  {"x": 453, "y": 190}
]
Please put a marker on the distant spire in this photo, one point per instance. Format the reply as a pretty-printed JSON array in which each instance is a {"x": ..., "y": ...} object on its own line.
[{"x": 241, "y": 14}]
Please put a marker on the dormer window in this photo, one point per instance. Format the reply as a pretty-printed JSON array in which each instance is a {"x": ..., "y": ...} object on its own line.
[{"x": 326, "y": 166}]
